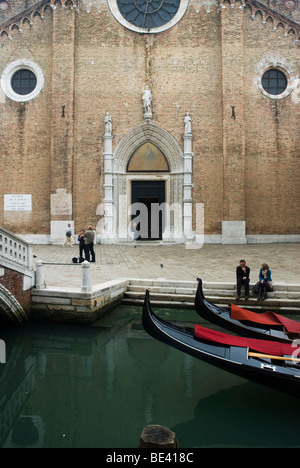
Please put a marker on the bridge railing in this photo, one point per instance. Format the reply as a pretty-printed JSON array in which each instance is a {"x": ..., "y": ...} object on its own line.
[{"x": 15, "y": 249}]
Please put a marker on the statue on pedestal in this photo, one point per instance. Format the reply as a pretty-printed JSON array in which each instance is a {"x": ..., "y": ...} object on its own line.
[
  {"x": 187, "y": 124},
  {"x": 147, "y": 102},
  {"x": 108, "y": 124}
]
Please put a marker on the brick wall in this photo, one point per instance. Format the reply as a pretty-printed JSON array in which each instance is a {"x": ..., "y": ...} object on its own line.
[
  {"x": 25, "y": 132},
  {"x": 13, "y": 8},
  {"x": 272, "y": 138},
  {"x": 246, "y": 146},
  {"x": 13, "y": 281}
]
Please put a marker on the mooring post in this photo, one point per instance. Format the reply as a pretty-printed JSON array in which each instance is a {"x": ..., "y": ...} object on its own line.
[
  {"x": 155, "y": 436},
  {"x": 39, "y": 275},
  {"x": 86, "y": 285}
]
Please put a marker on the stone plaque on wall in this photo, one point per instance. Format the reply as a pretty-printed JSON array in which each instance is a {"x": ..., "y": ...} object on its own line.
[
  {"x": 234, "y": 232},
  {"x": 17, "y": 202},
  {"x": 61, "y": 203}
]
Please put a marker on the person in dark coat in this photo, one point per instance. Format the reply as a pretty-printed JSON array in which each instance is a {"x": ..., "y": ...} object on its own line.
[
  {"x": 81, "y": 241},
  {"x": 89, "y": 237},
  {"x": 265, "y": 282},
  {"x": 242, "y": 277}
]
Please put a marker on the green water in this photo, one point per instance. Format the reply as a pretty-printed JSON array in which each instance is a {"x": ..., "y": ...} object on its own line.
[{"x": 98, "y": 387}]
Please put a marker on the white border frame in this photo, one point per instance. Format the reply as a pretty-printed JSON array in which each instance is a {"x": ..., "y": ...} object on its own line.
[
  {"x": 119, "y": 17},
  {"x": 8, "y": 73}
]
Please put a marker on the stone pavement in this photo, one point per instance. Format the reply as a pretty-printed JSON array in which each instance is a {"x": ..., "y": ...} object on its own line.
[{"x": 212, "y": 263}]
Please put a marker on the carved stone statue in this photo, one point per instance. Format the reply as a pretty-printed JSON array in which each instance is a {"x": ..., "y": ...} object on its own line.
[
  {"x": 187, "y": 124},
  {"x": 108, "y": 124},
  {"x": 147, "y": 102}
]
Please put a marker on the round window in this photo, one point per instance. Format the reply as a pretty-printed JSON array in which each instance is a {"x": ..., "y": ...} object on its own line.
[
  {"x": 274, "y": 82},
  {"x": 148, "y": 16},
  {"x": 4, "y": 5},
  {"x": 291, "y": 4},
  {"x": 22, "y": 80}
]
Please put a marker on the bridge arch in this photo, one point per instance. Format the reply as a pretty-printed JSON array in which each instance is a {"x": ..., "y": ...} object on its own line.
[{"x": 11, "y": 310}]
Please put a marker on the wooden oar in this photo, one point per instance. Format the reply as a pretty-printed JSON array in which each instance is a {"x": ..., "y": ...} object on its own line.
[{"x": 270, "y": 356}]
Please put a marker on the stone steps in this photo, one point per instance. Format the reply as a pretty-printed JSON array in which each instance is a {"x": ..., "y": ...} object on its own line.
[{"x": 165, "y": 293}]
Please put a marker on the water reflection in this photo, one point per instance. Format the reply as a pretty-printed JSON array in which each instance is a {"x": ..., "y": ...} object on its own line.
[
  {"x": 100, "y": 386},
  {"x": 248, "y": 415}
]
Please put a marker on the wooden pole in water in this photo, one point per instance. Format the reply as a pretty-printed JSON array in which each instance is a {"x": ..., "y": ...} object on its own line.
[{"x": 155, "y": 436}]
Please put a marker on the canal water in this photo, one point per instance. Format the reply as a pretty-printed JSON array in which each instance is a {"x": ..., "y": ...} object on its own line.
[{"x": 98, "y": 387}]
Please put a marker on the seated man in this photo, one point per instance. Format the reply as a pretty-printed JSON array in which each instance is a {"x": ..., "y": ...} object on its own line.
[{"x": 242, "y": 277}]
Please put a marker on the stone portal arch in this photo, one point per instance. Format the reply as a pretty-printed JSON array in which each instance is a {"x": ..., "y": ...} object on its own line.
[
  {"x": 148, "y": 132},
  {"x": 148, "y": 158},
  {"x": 118, "y": 182}
]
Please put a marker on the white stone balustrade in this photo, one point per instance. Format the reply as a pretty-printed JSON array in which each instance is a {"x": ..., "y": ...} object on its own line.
[{"x": 15, "y": 249}]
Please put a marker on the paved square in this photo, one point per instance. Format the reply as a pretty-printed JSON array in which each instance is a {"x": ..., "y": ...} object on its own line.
[{"x": 213, "y": 263}]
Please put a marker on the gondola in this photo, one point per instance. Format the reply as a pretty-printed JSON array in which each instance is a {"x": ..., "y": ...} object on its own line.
[
  {"x": 273, "y": 364},
  {"x": 268, "y": 325}
]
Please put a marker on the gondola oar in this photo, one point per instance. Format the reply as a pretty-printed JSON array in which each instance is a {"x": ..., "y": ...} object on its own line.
[{"x": 270, "y": 356}]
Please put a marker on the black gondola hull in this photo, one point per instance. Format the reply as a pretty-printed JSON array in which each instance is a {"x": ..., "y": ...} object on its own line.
[
  {"x": 221, "y": 317},
  {"x": 231, "y": 359}
]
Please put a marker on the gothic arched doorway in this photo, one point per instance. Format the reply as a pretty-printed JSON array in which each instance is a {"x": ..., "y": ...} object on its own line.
[
  {"x": 147, "y": 158},
  {"x": 148, "y": 197},
  {"x": 148, "y": 209}
]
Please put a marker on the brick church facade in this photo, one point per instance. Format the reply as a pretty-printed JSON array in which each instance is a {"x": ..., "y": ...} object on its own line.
[{"x": 190, "y": 104}]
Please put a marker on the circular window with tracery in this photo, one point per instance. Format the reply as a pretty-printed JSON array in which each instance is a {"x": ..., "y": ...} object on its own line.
[
  {"x": 22, "y": 80},
  {"x": 274, "y": 82},
  {"x": 291, "y": 4},
  {"x": 148, "y": 16},
  {"x": 4, "y": 5}
]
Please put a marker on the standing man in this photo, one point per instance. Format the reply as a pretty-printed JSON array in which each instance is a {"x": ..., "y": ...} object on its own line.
[
  {"x": 89, "y": 237},
  {"x": 68, "y": 236},
  {"x": 242, "y": 277}
]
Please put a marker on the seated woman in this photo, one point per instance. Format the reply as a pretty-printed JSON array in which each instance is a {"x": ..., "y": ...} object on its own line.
[{"x": 265, "y": 282}]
